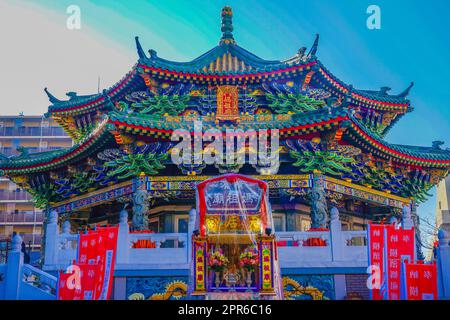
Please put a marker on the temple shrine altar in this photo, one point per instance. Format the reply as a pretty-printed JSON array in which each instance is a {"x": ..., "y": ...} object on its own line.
[{"x": 233, "y": 244}]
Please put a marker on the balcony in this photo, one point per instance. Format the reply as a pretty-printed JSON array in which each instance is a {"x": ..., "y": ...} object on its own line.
[
  {"x": 32, "y": 132},
  {"x": 6, "y": 195},
  {"x": 32, "y": 239},
  {"x": 9, "y": 151},
  {"x": 21, "y": 218},
  {"x": 29, "y": 239}
]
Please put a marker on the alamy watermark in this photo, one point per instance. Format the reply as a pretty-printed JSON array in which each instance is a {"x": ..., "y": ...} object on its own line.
[
  {"x": 374, "y": 279},
  {"x": 73, "y": 21},
  {"x": 232, "y": 147},
  {"x": 373, "y": 22}
]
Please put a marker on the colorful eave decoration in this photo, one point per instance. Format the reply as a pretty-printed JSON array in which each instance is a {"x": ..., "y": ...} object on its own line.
[
  {"x": 383, "y": 149},
  {"x": 288, "y": 127},
  {"x": 46, "y": 161},
  {"x": 400, "y": 105},
  {"x": 226, "y": 77}
]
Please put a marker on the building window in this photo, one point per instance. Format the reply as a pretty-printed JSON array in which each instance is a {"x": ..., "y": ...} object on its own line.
[
  {"x": 181, "y": 223},
  {"x": 153, "y": 224},
  {"x": 279, "y": 222},
  {"x": 358, "y": 227}
]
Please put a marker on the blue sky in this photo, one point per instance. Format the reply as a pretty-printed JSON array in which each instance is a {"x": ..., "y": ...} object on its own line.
[{"x": 412, "y": 45}]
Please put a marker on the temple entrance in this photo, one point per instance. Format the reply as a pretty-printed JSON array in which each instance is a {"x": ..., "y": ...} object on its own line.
[{"x": 234, "y": 253}]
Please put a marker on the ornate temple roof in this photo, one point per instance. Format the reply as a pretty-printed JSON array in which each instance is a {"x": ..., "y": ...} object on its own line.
[{"x": 228, "y": 63}]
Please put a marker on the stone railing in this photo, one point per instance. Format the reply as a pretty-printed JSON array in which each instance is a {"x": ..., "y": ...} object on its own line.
[
  {"x": 39, "y": 279},
  {"x": 160, "y": 250},
  {"x": 22, "y": 281},
  {"x": 168, "y": 249},
  {"x": 338, "y": 248},
  {"x": 141, "y": 251}
]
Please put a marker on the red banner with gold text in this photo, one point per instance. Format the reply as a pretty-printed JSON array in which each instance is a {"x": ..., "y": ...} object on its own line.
[
  {"x": 91, "y": 277},
  {"x": 376, "y": 258},
  {"x": 420, "y": 281},
  {"x": 400, "y": 246}
]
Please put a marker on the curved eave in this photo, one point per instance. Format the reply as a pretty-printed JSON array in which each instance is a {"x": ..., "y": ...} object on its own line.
[
  {"x": 305, "y": 124},
  {"x": 415, "y": 156},
  {"x": 96, "y": 101},
  {"x": 225, "y": 77},
  {"x": 45, "y": 162},
  {"x": 360, "y": 97}
]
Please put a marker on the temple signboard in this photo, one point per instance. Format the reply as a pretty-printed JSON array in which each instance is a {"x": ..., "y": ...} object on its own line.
[
  {"x": 222, "y": 196},
  {"x": 227, "y": 103}
]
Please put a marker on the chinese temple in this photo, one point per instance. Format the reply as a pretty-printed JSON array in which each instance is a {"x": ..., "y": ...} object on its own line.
[{"x": 210, "y": 229}]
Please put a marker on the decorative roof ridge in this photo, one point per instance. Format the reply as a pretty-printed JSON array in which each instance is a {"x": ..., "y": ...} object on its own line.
[
  {"x": 312, "y": 52},
  {"x": 227, "y": 44},
  {"x": 139, "y": 49},
  {"x": 75, "y": 101},
  {"x": 230, "y": 75},
  {"x": 218, "y": 51},
  {"x": 381, "y": 95},
  {"x": 227, "y": 26},
  {"x": 51, "y": 97},
  {"x": 433, "y": 148}
]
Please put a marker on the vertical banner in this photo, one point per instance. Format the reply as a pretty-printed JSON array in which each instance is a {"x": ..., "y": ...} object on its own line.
[
  {"x": 420, "y": 281},
  {"x": 200, "y": 265},
  {"x": 266, "y": 264},
  {"x": 94, "y": 270},
  {"x": 65, "y": 292},
  {"x": 69, "y": 283},
  {"x": 400, "y": 246},
  {"x": 110, "y": 235},
  {"x": 90, "y": 251},
  {"x": 376, "y": 257},
  {"x": 87, "y": 248},
  {"x": 100, "y": 252},
  {"x": 89, "y": 273}
]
